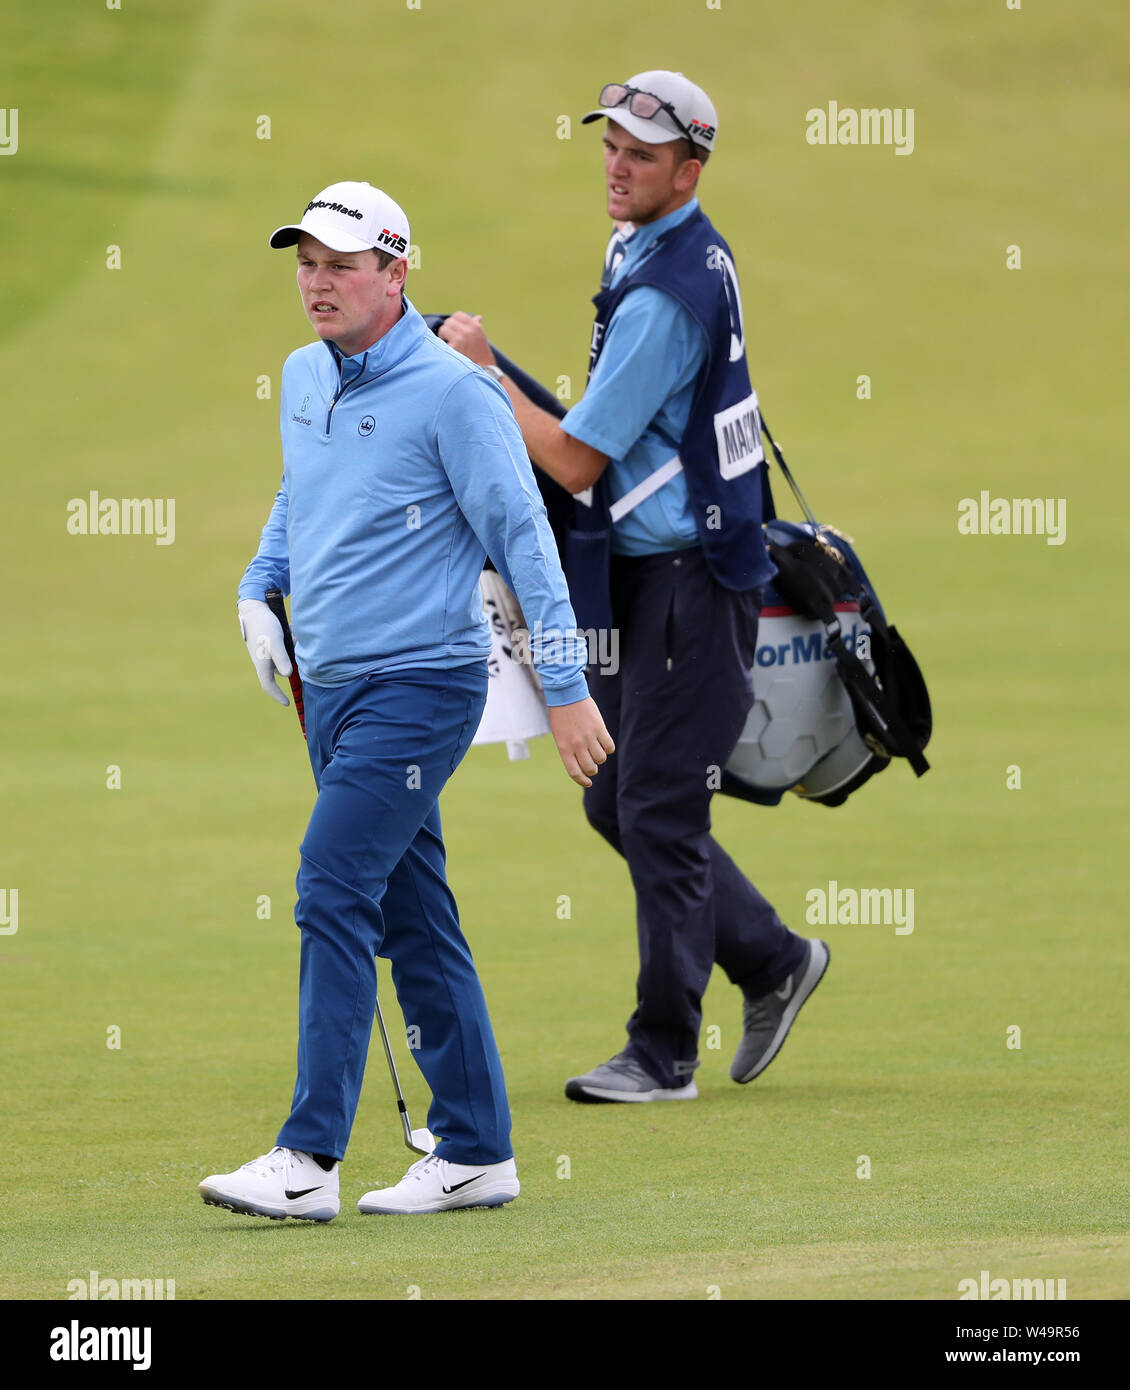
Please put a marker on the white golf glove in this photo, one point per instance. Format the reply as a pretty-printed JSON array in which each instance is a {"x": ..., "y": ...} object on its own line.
[{"x": 262, "y": 632}]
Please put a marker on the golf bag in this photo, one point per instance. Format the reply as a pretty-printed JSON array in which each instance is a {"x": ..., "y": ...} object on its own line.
[{"x": 837, "y": 693}]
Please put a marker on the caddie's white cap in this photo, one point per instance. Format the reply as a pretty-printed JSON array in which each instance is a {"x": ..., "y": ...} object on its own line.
[
  {"x": 351, "y": 217},
  {"x": 691, "y": 104}
]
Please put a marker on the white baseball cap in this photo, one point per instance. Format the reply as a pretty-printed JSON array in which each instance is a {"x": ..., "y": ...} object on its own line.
[
  {"x": 351, "y": 217},
  {"x": 694, "y": 111}
]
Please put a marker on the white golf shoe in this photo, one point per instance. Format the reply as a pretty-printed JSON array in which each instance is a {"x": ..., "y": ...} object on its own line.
[
  {"x": 435, "y": 1185},
  {"x": 282, "y": 1183}
]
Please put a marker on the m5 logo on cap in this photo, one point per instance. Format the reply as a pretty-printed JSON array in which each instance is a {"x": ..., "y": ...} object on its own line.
[
  {"x": 701, "y": 128},
  {"x": 391, "y": 241}
]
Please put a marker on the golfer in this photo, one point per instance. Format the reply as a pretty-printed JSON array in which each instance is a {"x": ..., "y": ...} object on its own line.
[
  {"x": 402, "y": 467},
  {"x": 669, "y": 548}
]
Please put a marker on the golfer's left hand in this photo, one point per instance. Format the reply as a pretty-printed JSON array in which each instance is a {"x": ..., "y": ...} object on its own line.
[
  {"x": 582, "y": 740},
  {"x": 465, "y": 334}
]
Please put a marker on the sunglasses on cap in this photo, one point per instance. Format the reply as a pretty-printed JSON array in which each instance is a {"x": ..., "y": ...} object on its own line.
[{"x": 644, "y": 104}]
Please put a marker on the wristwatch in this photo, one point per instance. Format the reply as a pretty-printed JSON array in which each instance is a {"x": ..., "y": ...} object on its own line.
[{"x": 495, "y": 370}]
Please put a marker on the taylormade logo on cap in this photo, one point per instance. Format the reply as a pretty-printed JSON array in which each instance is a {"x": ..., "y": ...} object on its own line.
[
  {"x": 351, "y": 217},
  {"x": 337, "y": 207}
]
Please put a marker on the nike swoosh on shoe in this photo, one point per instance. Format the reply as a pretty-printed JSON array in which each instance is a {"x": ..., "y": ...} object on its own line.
[
  {"x": 302, "y": 1192},
  {"x": 786, "y": 990},
  {"x": 447, "y": 1191}
]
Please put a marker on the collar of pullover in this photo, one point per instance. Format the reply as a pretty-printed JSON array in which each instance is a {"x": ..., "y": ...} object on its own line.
[{"x": 385, "y": 353}]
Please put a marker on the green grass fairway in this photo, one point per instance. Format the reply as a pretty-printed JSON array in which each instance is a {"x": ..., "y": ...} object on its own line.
[{"x": 137, "y": 905}]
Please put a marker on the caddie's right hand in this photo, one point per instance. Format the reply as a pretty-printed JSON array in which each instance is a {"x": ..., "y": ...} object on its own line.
[
  {"x": 465, "y": 333},
  {"x": 263, "y": 633}
]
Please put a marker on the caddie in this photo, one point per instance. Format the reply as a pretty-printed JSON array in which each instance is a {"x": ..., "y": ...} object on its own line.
[
  {"x": 402, "y": 467},
  {"x": 664, "y": 455}
]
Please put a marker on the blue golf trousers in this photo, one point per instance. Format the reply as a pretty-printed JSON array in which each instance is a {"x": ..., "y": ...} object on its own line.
[{"x": 372, "y": 883}]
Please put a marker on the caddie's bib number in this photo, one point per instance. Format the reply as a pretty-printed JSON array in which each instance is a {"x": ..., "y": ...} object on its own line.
[{"x": 737, "y": 432}]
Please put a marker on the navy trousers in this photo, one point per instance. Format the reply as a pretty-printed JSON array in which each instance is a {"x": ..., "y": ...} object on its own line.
[
  {"x": 676, "y": 708},
  {"x": 371, "y": 883}
]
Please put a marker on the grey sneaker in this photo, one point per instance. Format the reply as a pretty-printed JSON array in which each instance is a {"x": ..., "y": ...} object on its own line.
[
  {"x": 766, "y": 1021},
  {"x": 622, "y": 1078}
]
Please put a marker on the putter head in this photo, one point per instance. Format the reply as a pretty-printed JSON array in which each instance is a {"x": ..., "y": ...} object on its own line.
[{"x": 423, "y": 1141}]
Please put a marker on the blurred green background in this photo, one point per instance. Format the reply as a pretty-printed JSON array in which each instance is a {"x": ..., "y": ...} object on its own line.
[{"x": 137, "y": 129}]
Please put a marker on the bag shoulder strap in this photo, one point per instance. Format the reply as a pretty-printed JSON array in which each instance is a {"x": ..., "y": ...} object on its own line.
[{"x": 792, "y": 482}]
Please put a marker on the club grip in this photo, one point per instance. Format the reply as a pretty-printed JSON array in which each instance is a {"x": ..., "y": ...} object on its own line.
[{"x": 274, "y": 600}]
